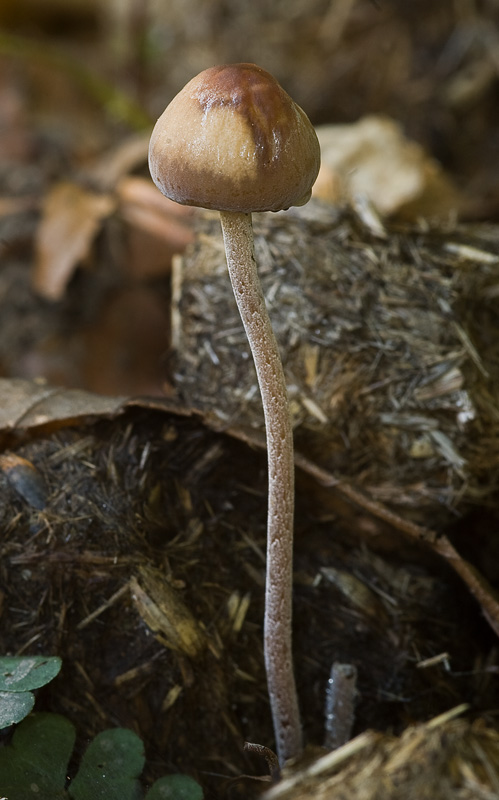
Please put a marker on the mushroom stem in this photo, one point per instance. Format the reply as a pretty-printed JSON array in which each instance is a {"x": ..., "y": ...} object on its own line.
[{"x": 239, "y": 247}]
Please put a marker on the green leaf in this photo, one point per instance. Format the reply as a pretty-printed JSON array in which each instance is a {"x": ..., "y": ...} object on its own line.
[
  {"x": 110, "y": 768},
  {"x": 33, "y": 766},
  {"x": 14, "y": 706},
  {"x": 23, "y": 673},
  {"x": 175, "y": 787}
]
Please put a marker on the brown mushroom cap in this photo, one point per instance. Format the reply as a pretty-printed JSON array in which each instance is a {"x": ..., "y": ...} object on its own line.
[{"x": 234, "y": 140}]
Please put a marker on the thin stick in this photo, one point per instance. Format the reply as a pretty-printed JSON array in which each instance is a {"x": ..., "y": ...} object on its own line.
[
  {"x": 107, "y": 604},
  {"x": 238, "y": 237},
  {"x": 477, "y": 584}
]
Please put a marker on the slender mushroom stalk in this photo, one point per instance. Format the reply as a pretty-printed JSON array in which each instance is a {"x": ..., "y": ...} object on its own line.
[
  {"x": 234, "y": 141},
  {"x": 238, "y": 239}
]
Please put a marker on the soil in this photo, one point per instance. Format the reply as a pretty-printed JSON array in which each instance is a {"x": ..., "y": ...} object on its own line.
[{"x": 157, "y": 490}]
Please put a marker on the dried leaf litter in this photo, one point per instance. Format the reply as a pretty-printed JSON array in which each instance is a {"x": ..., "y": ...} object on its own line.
[
  {"x": 387, "y": 342},
  {"x": 444, "y": 759}
]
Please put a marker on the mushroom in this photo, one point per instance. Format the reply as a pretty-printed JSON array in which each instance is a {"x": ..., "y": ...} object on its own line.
[{"x": 233, "y": 140}]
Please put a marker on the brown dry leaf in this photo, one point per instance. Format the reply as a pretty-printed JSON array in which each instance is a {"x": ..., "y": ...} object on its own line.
[
  {"x": 373, "y": 158},
  {"x": 25, "y": 405},
  {"x": 29, "y": 404},
  {"x": 114, "y": 164},
  {"x": 147, "y": 210},
  {"x": 142, "y": 192},
  {"x": 157, "y": 226},
  {"x": 71, "y": 218}
]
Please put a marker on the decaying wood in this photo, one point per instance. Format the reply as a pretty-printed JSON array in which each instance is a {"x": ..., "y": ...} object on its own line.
[
  {"x": 165, "y": 614},
  {"x": 387, "y": 349}
]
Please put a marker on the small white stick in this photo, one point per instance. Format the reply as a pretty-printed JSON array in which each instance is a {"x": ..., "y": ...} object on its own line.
[{"x": 341, "y": 694}]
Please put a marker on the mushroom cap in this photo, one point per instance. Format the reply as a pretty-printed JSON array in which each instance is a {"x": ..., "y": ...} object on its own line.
[{"x": 233, "y": 140}]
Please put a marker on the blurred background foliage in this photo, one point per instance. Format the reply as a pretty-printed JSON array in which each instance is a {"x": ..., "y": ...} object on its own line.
[{"x": 431, "y": 66}]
